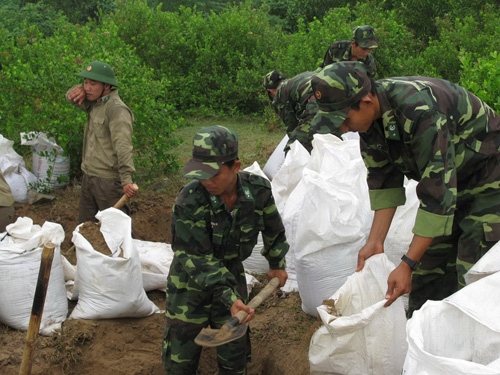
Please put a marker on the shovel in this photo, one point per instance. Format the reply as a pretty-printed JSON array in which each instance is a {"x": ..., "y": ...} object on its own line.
[{"x": 233, "y": 330}]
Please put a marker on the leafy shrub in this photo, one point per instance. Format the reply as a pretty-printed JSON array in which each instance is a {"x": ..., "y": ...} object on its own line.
[
  {"x": 214, "y": 62},
  {"x": 38, "y": 72},
  {"x": 482, "y": 77}
]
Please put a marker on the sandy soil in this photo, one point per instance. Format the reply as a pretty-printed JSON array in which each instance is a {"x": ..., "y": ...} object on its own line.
[{"x": 280, "y": 330}]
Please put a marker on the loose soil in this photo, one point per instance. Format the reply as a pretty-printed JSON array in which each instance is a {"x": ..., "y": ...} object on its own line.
[{"x": 280, "y": 330}]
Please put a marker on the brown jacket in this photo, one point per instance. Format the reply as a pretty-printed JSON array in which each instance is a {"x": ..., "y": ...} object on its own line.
[{"x": 107, "y": 142}]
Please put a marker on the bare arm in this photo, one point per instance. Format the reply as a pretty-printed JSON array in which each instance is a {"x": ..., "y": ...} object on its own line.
[
  {"x": 378, "y": 232},
  {"x": 399, "y": 281}
]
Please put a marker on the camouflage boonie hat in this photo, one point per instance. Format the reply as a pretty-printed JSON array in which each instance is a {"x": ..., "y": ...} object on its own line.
[
  {"x": 272, "y": 79},
  {"x": 365, "y": 36},
  {"x": 212, "y": 146},
  {"x": 336, "y": 88}
]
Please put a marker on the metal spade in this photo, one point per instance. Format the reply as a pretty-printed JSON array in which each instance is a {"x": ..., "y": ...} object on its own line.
[{"x": 233, "y": 330}]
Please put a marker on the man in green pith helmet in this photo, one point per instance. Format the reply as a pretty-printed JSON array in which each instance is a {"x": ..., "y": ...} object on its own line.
[
  {"x": 107, "y": 158},
  {"x": 358, "y": 49},
  {"x": 294, "y": 102},
  {"x": 215, "y": 223},
  {"x": 439, "y": 134}
]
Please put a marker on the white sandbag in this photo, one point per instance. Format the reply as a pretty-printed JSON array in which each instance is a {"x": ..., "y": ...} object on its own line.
[
  {"x": 48, "y": 160},
  {"x": 361, "y": 336},
  {"x": 333, "y": 220},
  {"x": 459, "y": 335},
  {"x": 276, "y": 159},
  {"x": 155, "y": 258},
  {"x": 20, "y": 259},
  {"x": 288, "y": 192},
  {"x": 14, "y": 170},
  {"x": 110, "y": 286},
  {"x": 487, "y": 265}
]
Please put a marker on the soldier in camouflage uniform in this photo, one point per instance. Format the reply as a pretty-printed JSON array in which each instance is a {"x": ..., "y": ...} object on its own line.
[
  {"x": 438, "y": 134},
  {"x": 358, "y": 49},
  {"x": 215, "y": 223},
  {"x": 294, "y": 102}
]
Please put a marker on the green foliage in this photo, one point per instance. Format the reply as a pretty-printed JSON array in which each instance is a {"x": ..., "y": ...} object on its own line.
[
  {"x": 38, "y": 72},
  {"x": 211, "y": 62},
  {"x": 17, "y": 18},
  {"x": 77, "y": 11},
  {"x": 482, "y": 77}
]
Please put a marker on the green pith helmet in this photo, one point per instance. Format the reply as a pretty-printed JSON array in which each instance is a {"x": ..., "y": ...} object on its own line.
[
  {"x": 99, "y": 71},
  {"x": 212, "y": 147}
]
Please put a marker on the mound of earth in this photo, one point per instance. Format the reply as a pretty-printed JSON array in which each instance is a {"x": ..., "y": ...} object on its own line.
[{"x": 280, "y": 330}]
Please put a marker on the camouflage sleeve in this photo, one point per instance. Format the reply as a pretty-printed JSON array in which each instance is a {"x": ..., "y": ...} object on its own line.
[
  {"x": 191, "y": 242},
  {"x": 370, "y": 66},
  {"x": 273, "y": 235},
  {"x": 433, "y": 158},
  {"x": 287, "y": 115},
  {"x": 302, "y": 134}
]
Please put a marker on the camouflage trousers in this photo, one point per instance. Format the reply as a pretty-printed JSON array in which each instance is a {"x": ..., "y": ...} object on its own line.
[
  {"x": 476, "y": 228},
  {"x": 189, "y": 310}
]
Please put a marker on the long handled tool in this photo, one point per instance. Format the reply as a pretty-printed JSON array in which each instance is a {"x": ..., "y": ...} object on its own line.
[
  {"x": 37, "y": 309},
  {"x": 233, "y": 330}
]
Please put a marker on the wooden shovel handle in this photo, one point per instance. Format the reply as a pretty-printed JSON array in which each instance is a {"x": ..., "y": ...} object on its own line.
[
  {"x": 257, "y": 300},
  {"x": 124, "y": 199},
  {"x": 37, "y": 309}
]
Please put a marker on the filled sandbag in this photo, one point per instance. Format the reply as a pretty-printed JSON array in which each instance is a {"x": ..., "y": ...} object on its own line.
[
  {"x": 20, "y": 258},
  {"x": 459, "y": 335},
  {"x": 359, "y": 335},
  {"x": 110, "y": 286}
]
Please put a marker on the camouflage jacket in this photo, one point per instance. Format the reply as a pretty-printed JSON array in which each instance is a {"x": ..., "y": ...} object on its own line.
[
  {"x": 206, "y": 236},
  {"x": 294, "y": 101},
  {"x": 341, "y": 51},
  {"x": 431, "y": 131}
]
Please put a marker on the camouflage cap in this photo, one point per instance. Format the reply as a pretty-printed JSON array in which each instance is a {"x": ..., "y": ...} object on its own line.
[
  {"x": 337, "y": 87},
  {"x": 365, "y": 36},
  {"x": 272, "y": 79},
  {"x": 212, "y": 146}
]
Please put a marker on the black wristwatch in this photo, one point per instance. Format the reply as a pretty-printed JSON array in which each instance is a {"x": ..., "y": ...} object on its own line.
[{"x": 412, "y": 263}]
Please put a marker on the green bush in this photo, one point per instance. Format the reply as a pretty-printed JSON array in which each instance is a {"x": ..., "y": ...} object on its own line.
[
  {"x": 38, "y": 72},
  {"x": 213, "y": 63},
  {"x": 482, "y": 77}
]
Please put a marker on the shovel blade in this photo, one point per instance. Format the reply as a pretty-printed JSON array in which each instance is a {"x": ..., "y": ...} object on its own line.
[{"x": 215, "y": 337}]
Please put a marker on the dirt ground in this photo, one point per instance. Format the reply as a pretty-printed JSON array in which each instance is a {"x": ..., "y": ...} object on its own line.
[{"x": 280, "y": 330}]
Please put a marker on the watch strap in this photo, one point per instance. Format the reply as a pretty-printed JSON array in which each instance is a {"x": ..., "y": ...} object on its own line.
[{"x": 412, "y": 263}]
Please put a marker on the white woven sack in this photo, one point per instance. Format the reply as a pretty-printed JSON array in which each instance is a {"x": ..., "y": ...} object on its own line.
[
  {"x": 110, "y": 286},
  {"x": 20, "y": 258},
  {"x": 155, "y": 258},
  {"x": 365, "y": 338}
]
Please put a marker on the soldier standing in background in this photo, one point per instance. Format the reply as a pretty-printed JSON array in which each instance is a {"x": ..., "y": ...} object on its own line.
[{"x": 107, "y": 158}]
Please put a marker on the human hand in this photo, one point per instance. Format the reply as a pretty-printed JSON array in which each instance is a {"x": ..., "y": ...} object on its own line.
[
  {"x": 398, "y": 283},
  {"x": 130, "y": 190},
  {"x": 367, "y": 251},
  {"x": 280, "y": 274},
  {"x": 77, "y": 95},
  {"x": 240, "y": 306}
]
